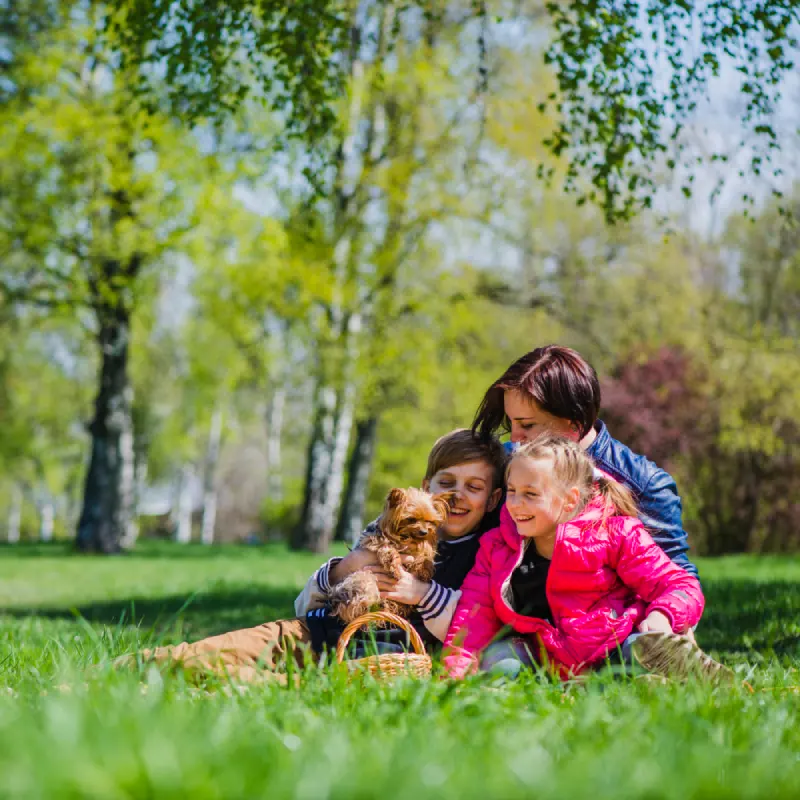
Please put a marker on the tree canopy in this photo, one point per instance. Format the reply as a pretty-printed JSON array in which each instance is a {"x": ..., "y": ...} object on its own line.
[
  {"x": 629, "y": 73},
  {"x": 280, "y": 311}
]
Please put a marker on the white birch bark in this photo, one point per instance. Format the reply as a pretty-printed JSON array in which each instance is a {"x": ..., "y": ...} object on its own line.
[
  {"x": 14, "y": 515},
  {"x": 209, "y": 479},
  {"x": 275, "y": 409},
  {"x": 46, "y": 517},
  {"x": 351, "y": 519},
  {"x": 128, "y": 484},
  {"x": 183, "y": 534},
  {"x": 310, "y": 534},
  {"x": 140, "y": 485},
  {"x": 343, "y": 430}
]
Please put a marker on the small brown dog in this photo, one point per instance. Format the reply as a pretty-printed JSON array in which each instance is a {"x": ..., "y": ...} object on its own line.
[{"x": 407, "y": 526}]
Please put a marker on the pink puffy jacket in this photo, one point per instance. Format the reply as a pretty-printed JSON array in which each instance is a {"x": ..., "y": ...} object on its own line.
[{"x": 604, "y": 578}]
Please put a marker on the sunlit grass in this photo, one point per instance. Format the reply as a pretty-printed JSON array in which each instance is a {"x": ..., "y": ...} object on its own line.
[{"x": 72, "y": 727}]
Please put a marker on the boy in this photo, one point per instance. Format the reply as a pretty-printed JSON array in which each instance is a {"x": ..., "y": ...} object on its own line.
[
  {"x": 459, "y": 463},
  {"x": 472, "y": 470}
]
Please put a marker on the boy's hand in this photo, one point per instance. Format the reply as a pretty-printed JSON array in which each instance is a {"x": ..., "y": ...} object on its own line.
[
  {"x": 352, "y": 562},
  {"x": 655, "y": 621},
  {"x": 406, "y": 589}
]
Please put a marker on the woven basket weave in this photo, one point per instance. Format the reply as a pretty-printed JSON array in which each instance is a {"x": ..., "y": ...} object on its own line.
[{"x": 387, "y": 665}]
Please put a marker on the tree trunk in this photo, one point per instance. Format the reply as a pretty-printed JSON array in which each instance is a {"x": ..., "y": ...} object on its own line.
[
  {"x": 310, "y": 533},
  {"x": 351, "y": 520},
  {"x": 341, "y": 443},
  {"x": 46, "y": 518},
  {"x": 209, "y": 482},
  {"x": 334, "y": 396},
  {"x": 107, "y": 496},
  {"x": 183, "y": 532},
  {"x": 274, "y": 432},
  {"x": 139, "y": 486},
  {"x": 14, "y": 515},
  {"x": 325, "y": 471}
]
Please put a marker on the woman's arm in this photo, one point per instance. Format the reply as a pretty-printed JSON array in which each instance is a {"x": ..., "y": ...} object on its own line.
[
  {"x": 644, "y": 567},
  {"x": 661, "y": 512}
]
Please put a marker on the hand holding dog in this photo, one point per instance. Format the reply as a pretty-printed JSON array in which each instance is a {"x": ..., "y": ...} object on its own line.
[
  {"x": 404, "y": 540},
  {"x": 406, "y": 589}
]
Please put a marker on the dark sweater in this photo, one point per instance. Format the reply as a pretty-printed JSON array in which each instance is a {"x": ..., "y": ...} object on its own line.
[{"x": 528, "y": 584}]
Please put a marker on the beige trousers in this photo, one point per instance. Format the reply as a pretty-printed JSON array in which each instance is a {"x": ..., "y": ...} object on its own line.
[{"x": 247, "y": 655}]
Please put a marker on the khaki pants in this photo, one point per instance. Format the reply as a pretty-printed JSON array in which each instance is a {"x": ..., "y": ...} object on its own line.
[{"x": 251, "y": 654}]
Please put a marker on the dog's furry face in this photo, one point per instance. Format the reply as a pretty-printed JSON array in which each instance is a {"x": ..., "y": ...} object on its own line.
[
  {"x": 412, "y": 517},
  {"x": 408, "y": 527}
]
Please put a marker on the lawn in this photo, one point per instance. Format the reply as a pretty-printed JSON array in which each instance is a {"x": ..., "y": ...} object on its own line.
[{"x": 69, "y": 728}]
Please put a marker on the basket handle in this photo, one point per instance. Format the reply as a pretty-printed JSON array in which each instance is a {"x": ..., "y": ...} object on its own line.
[{"x": 375, "y": 616}]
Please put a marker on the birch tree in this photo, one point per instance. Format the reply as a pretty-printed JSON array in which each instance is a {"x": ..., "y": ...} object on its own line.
[
  {"x": 253, "y": 297},
  {"x": 405, "y": 140},
  {"x": 94, "y": 199}
]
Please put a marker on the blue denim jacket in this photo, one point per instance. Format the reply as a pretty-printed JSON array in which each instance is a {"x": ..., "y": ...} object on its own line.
[{"x": 654, "y": 490}]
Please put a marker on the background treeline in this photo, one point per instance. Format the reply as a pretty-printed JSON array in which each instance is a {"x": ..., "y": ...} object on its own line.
[{"x": 204, "y": 337}]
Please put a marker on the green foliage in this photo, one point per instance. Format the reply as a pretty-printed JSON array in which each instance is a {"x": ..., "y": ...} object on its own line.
[
  {"x": 125, "y": 734},
  {"x": 630, "y": 75},
  {"x": 217, "y": 53},
  {"x": 458, "y": 259},
  {"x": 616, "y": 115}
]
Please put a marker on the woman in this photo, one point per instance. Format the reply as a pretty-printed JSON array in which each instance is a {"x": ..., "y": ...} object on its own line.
[{"x": 555, "y": 389}]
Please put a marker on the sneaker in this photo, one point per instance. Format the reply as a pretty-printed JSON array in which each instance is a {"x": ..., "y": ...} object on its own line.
[{"x": 674, "y": 656}]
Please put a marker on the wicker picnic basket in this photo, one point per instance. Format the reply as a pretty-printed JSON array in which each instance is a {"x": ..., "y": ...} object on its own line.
[{"x": 387, "y": 665}]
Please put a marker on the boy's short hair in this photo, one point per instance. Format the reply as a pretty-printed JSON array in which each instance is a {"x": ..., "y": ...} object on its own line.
[{"x": 462, "y": 446}]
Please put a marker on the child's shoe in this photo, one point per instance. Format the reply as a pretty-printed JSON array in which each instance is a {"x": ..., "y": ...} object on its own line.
[{"x": 678, "y": 657}]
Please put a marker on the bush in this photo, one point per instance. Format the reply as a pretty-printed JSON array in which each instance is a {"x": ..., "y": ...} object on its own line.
[{"x": 736, "y": 460}]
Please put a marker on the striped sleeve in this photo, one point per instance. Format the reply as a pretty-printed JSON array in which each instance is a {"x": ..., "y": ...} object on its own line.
[
  {"x": 323, "y": 575},
  {"x": 315, "y": 592},
  {"x": 437, "y": 609},
  {"x": 434, "y": 601}
]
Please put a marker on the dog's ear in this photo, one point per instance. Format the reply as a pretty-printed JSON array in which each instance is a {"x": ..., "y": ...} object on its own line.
[
  {"x": 442, "y": 505},
  {"x": 395, "y": 498}
]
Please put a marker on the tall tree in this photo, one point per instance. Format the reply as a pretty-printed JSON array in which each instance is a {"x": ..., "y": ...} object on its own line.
[
  {"x": 94, "y": 199},
  {"x": 400, "y": 173}
]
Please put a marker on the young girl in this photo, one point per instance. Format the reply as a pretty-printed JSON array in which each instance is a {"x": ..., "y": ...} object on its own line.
[{"x": 575, "y": 573}]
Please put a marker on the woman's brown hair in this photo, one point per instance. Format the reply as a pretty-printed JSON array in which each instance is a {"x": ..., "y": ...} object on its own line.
[
  {"x": 559, "y": 380},
  {"x": 572, "y": 466}
]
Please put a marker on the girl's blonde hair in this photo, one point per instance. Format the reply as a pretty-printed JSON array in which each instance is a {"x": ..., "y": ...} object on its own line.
[{"x": 573, "y": 467}]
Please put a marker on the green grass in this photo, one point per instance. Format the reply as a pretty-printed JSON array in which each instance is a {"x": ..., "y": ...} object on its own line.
[{"x": 71, "y": 729}]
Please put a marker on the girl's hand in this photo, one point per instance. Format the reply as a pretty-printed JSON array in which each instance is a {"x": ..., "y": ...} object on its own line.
[
  {"x": 406, "y": 589},
  {"x": 655, "y": 621}
]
